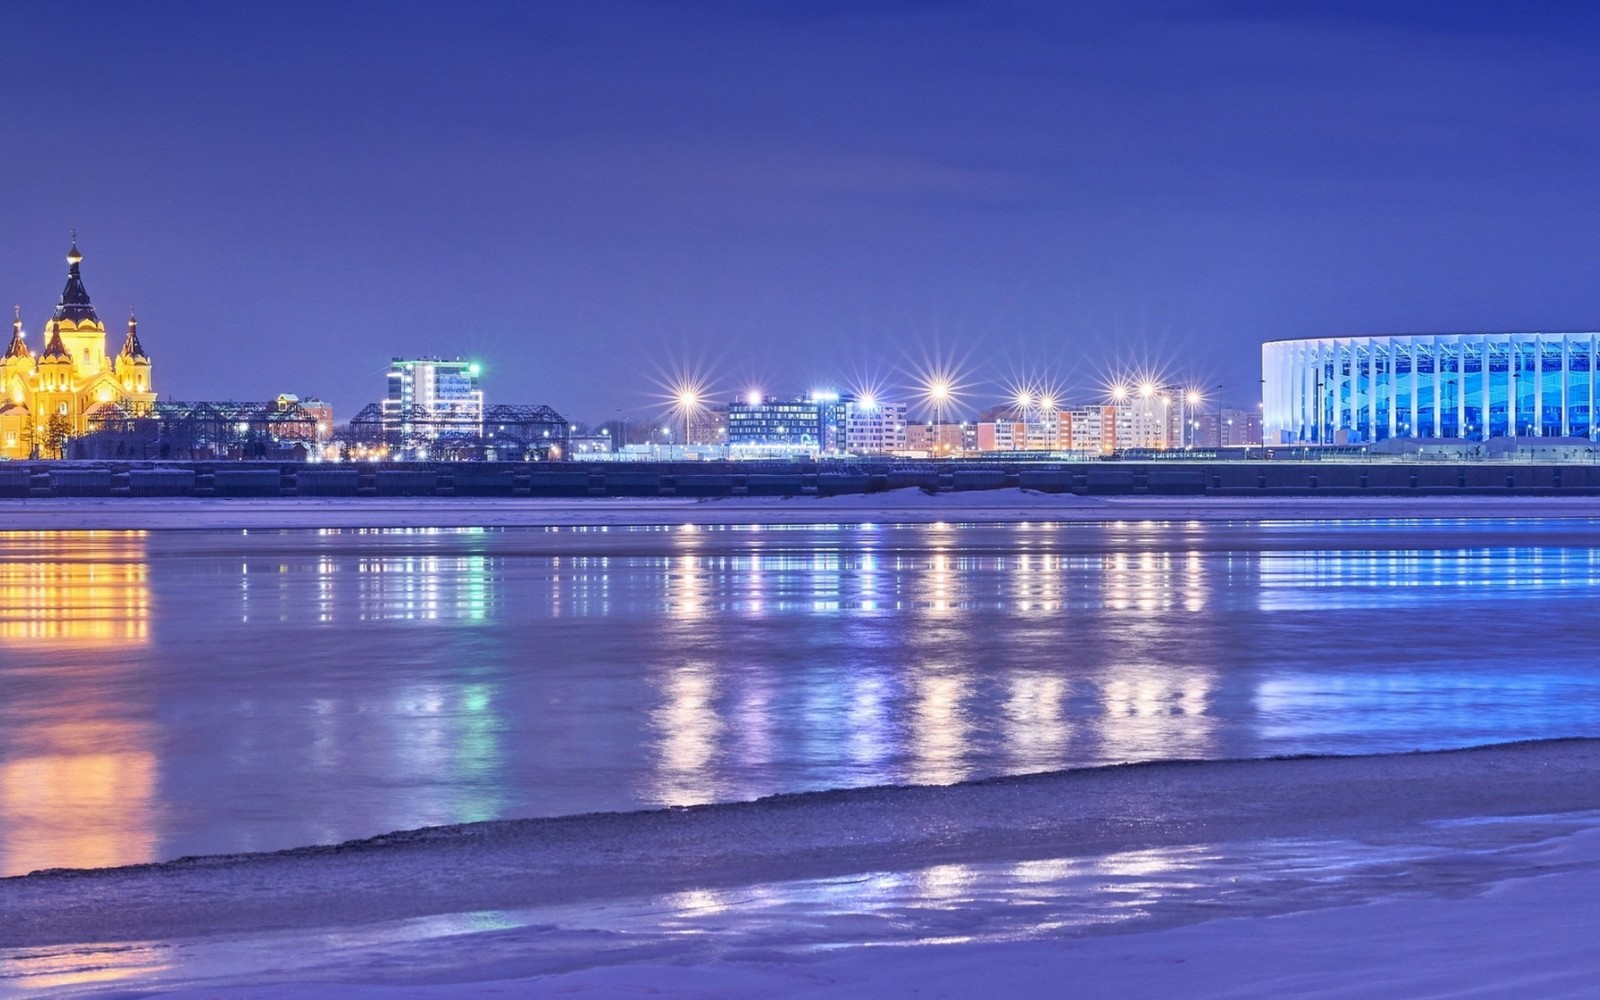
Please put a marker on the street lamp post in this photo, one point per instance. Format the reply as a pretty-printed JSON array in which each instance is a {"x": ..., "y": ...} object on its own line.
[
  {"x": 1316, "y": 418},
  {"x": 688, "y": 400},
  {"x": 1219, "y": 418}
]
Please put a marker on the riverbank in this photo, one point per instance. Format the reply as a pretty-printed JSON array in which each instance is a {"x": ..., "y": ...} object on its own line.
[{"x": 1400, "y": 874}]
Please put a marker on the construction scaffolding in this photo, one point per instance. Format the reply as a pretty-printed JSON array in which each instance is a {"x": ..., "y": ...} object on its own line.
[
  {"x": 507, "y": 432},
  {"x": 174, "y": 429}
]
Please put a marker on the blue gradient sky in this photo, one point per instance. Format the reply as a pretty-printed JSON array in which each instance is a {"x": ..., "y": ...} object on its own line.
[{"x": 587, "y": 195}]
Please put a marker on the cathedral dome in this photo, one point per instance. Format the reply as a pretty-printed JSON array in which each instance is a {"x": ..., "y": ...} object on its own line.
[{"x": 74, "y": 311}]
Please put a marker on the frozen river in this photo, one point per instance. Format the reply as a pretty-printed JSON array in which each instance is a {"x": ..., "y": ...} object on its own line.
[{"x": 167, "y": 693}]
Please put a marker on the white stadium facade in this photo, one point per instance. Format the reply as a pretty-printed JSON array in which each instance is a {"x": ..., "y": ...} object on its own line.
[{"x": 1472, "y": 386}]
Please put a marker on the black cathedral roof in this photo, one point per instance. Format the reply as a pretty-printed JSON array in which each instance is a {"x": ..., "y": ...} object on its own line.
[
  {"x": 75, "y": 304},
  {"x": 17, "y": 349},
  {"x": 131, "y": 348},
  {"x": 55, "y": 348}
]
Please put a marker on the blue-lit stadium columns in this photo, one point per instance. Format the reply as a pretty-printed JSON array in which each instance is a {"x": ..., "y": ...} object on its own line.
[
  {"x": 1377, "y": 364},
  {"x": 1452, "y": 386}
]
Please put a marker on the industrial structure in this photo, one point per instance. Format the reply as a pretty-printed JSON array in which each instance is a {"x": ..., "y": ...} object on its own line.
[
  {"x": 499, "y": 432},
  {"x": 284, "y": 428}
]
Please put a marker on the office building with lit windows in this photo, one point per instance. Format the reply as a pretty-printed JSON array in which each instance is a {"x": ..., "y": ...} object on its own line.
[
  {"x": 430, "y": 398},
  {"x": 1354, "y": 390},
  {"x": 873, "y": 427},
  {"x": 770, "y": 426},
  {"x": 443, "y": 390}
]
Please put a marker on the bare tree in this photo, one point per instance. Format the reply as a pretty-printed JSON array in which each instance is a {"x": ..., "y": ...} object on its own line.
[{"x": 56, "y": 434}]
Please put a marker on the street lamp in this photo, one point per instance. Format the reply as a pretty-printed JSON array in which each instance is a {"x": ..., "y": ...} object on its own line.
[
  {"x": 939, "y": 392},
  {"x": 688, "y": 401}
]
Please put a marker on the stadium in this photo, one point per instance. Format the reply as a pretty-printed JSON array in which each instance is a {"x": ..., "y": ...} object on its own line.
[{"x": 1356, "y": 390}]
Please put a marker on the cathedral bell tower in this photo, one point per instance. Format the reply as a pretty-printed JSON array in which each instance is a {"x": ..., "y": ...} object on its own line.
[
  {"x": 55, "y": 409},
  {"x": 133, "y": 366},
  {"x": 16, "y": 367}
]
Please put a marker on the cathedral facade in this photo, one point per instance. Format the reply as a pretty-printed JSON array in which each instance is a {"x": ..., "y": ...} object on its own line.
[{"x": 48, "y": 398}]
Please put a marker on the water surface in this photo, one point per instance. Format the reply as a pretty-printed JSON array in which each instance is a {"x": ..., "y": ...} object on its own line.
[{"x": 171, "y": 693}]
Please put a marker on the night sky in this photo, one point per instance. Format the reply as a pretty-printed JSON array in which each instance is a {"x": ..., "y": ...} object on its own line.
[{"x": 586, "y": 196}]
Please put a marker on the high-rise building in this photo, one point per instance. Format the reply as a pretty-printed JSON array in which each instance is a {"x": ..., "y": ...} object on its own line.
[
  {"x": 49, "y": 399},
  {"x": 766, "y": 424},
  {"x": 941, "y": 440},
  {"x": 1091, "y": 430},
  {"x": 708, "y": 425},
  {"x": 1148, "y": 418},
  {"x": 874, "y": 428},
  {"x": 1040, "y": 432},
  {"x": 440, "y": 389},
  {"x": 1232, "y": 428},
  {"x": 432, "y": 398}
]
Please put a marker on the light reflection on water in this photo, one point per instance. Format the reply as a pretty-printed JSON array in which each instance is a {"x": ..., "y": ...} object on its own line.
[
  {"x": 197, "y": 692},
  {"x": 77, "y": 766}
]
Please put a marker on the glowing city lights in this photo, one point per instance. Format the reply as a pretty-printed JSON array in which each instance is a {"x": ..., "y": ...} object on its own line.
[
  {"x": 688, "y": 396},
  {"x": 1138, "y": 408}
]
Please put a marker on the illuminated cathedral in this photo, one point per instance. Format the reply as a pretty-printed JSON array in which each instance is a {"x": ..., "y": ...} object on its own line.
[{"x": 49, "y": 398}]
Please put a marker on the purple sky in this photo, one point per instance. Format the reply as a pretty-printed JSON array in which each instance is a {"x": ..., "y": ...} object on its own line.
[{"x": 586, "y": 195}]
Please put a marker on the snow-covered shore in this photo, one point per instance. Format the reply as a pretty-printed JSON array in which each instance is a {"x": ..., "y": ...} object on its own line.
[
  {"x": 1520, "y": 939},
  {"x": 1432, "y": 924},
  {"x": 908, "y": 506}
]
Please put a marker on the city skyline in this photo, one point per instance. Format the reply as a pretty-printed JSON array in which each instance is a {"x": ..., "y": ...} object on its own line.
[
  {"x": 806, "y": 498},
  {"x": 796, "y": 195}
]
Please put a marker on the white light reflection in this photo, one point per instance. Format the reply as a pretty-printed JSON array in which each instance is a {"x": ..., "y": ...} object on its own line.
[
  {"x": 1154, "y": 711},
  {"x": 939, "y": 730},
  {"x": 688, "y": 729},
  {"x": 1035, "y": 721}
]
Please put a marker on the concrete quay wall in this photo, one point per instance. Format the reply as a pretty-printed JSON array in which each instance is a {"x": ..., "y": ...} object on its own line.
[{"x": 19, "y": 480}]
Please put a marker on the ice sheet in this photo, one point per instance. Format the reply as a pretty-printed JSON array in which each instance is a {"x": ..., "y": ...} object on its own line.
[{"x": 907, "y": 506}]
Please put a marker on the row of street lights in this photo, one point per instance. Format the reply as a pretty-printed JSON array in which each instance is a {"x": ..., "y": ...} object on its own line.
[{"x": 940, "y": 391}]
